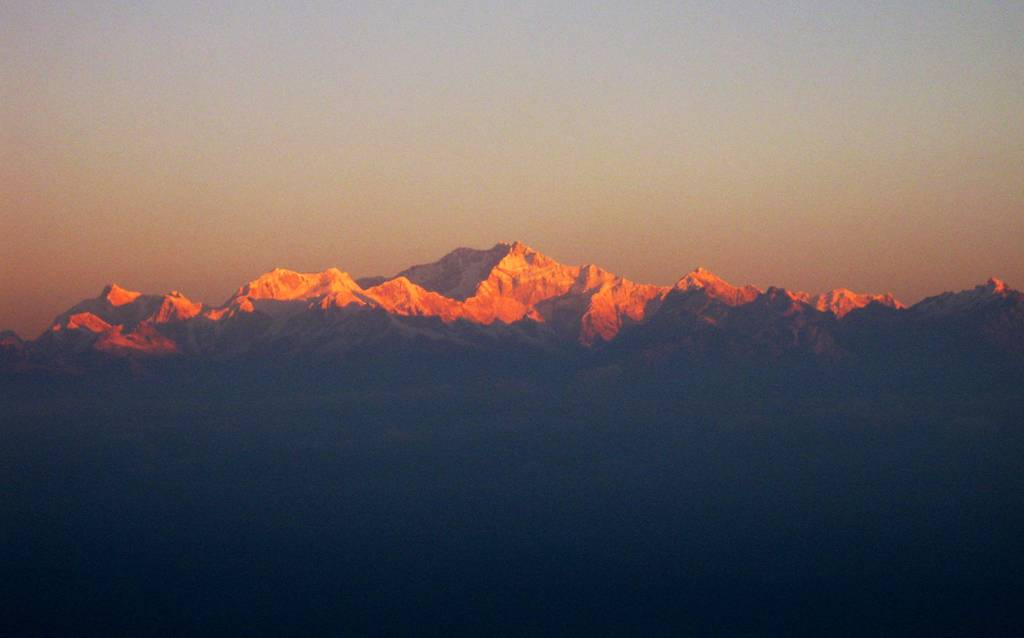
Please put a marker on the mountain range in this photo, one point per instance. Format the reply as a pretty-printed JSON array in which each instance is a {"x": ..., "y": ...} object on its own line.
[
  {"x": 513, "y": 296},
  {"x": 499, "y": 443}
]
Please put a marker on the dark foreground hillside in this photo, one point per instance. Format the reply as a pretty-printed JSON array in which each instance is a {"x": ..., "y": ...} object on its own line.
[{"x": 514, "y": 503}]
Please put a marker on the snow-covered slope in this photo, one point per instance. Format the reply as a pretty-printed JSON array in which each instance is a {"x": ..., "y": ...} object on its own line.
[
  {"x": 507, "y": 292},
  {"x": 841, "y": 302},
  {"x": 512, "y": 282},
  {"x": 957, "y": 302}
]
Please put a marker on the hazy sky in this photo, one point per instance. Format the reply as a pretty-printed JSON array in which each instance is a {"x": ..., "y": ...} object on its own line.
[{"x": 193, "y": 145}]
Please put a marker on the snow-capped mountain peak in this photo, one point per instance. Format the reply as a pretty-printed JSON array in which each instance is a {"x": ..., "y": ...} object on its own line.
[
  {"x": 716, "y": 287},
  {"x": 842, "y": 302},
  {"x": 117, "y": 296},
  {"x": 508, "y": 289},
  {"x": 282, "y": 284},
  {"x": 458, "y": 273},
  {"x": 954, "y": 302},
  {"x": 996, "y": 286}
]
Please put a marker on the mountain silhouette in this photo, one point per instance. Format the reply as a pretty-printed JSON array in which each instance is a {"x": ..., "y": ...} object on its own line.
[{"x": 512, "y": 296}]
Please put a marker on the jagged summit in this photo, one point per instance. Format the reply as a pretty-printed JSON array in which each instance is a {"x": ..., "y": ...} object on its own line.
[
  {"x": 282, "y": 284},
  {"x": 996, "y": 285},
  {"x": 458, "y": 273},
  {"x": 511, "y": 282},
  {"x": 716, "y": 287},
  {"x": 118, "y": 296},
  {"x": 953, "y": 302},
  {"x": 493, "y": 293},
  {"x": 175, "y": 306},
  {"x": 699, "y": 277},
  {"x": 403, "y": 297},
  {"x": 841, "y": 301}
]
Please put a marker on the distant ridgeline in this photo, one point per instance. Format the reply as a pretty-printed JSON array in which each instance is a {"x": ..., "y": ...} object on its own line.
[
  {"x": 500, "y": 444},
  {"x": 514, "y": 310}
]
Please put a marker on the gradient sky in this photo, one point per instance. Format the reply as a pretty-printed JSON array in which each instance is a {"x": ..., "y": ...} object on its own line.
[{"x": 194, "y": 145}]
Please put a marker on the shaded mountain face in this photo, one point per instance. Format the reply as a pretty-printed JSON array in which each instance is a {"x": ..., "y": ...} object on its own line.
[
  {"x": 10, "y": 339},
  {"x": 716, "y": 288},
  {"x": 994, "y": 291},
  {"x": 506, "y": 287},
  {"x": 11, "y": 346},
  {"x": 841, "y": 302},
  {"x": 463, "y": 444},
  {"x": 511, "y": 282},
  {"x": 512, "y": 297},
  {"x": 120, "y": 321},
  {"x": 990, "y": 315},
  {"x": 459, "y": 273},
  {"x": 320, "y": 451}
]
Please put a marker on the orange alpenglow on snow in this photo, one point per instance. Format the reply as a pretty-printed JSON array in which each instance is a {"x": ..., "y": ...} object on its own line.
[
  {"x": 120, "y": 321},
  {"x": 118, "y": 296},
  {"x": 402, "y": 297},
  {"x": 507, "y": 283},
  {"x": 717, "y": 288},
  {"x": 512, "y": 282},
  {"x": 842, "y": 302},
  {"x": 282, "y": 291},
  {"x": 176, "y": 307},
  {"x": 144, "y": 339},
  {"x": 287, "y": 285}
]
